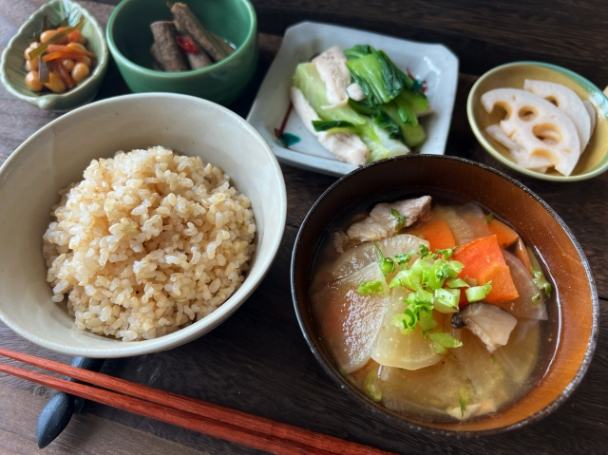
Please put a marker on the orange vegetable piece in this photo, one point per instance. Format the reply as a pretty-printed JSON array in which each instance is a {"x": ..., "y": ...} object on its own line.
[
  {"x": 437, "y": 232},
  {"x": 505, "y": 235},
  {"x": 483, "y": 261},
  {"x": 522, "y": 254},
  {"x": 60, "y": 55}
]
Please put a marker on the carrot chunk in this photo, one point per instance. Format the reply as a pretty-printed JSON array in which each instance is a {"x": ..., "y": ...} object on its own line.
[
  {"x": 505, "y": 235},
  {"x": 437, "y": 232},
  {"x": 483, "y": 262}
]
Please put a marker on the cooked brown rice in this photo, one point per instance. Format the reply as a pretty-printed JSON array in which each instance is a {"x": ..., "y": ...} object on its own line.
[{"x": 148, "y": 242}]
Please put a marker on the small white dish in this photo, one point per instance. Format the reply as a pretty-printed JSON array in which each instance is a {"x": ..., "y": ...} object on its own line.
[
  {"x": 271, "y": 114},
  {"x": 56, "y": 156}
]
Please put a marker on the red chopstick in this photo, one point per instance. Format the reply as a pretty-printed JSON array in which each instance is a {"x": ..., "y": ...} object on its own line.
[{"x": 216, "y": 421}]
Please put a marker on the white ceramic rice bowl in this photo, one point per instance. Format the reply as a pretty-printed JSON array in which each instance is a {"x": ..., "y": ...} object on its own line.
[{"x": 56, "y": 156}]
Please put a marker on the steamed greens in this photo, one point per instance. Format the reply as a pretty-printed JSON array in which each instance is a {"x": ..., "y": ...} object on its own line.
[{"x": 359, "y": 104}]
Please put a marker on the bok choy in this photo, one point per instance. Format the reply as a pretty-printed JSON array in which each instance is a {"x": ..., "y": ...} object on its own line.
[{"x": 384, "y": 117}]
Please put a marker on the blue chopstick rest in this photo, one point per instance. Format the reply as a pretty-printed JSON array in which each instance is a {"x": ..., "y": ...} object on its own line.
[{"x": 58, "y": 411}]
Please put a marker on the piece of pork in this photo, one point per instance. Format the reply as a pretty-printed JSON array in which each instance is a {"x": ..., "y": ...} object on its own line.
[
  {"x": 492, "y": 325},
  {"x": 387, "y": 219},
  {"x": 347, "y": 147}
]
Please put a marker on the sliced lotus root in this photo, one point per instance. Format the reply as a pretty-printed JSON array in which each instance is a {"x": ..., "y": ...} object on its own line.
[
  {"x": 521, "y": 157},
  {"x": 537, "y": 126},
  {"x": 567, "y": 101}
]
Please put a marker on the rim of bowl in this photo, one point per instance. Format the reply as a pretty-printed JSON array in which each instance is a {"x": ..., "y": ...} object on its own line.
[
  {"x": 213, "y": 319},
  {"x": 98, "y": 72},
  {"x": 118, "y": 54},
  {"x": 585, "y": 83},
  {"x": 394, "y": 417}
]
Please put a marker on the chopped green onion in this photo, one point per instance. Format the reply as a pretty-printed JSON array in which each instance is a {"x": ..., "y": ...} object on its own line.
[
  {"x": 370, "y": 384},
  {"x": 420, "y": 299},
  {"x": 386, "y": 264},
  {"x": 370, "y": 287},
  {"x": 536, "y": 298},
  {"x": 446, "y": 253},
  {"x": 541, "y": 282},
  {"x": 399, "y": 218},
  {"x": 426, "y": 321},
  {"x": 457, "y": 283},
  {"x": 401, "y": 259},
  {"x": 424, "y": 251},
  {"x": 324, "y": 125},
  {"x": 455, "y": 267},
  {"x": 407, "y": 320},
  {"x": 443, "y": 341},
  {"x": 446, "y": 300},
  {"x": 463, "y": 401},
  {"x": 406, "y": 278},
  {"x": 463, "y": 406},
  {"x": 478, "y": 293}
]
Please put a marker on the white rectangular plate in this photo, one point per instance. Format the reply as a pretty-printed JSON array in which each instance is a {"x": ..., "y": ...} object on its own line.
[{"x": 270, "y": 113}]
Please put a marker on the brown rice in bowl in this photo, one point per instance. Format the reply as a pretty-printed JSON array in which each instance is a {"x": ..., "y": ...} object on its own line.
[{"x": 148, "y": 242}]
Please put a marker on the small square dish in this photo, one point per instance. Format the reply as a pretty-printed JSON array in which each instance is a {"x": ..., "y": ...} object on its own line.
[{"x": 281, "y": 127}]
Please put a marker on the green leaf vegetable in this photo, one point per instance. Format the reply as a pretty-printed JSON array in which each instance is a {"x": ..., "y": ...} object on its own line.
[
  {"x": 370, "y": 287},
  {"x": 538, "y": 277},
  {"x": 326, "y": 125},
  {"x": 443, "y": 341},
  {"x": 388, "y": 116},
  {"x": 478, "y": 293},
  {"x": 399, "y": 217},
  {"x": 381, "y": 145}
]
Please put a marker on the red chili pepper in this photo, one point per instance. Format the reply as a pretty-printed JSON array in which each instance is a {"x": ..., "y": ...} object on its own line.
[{"x": 187, "y": 44}]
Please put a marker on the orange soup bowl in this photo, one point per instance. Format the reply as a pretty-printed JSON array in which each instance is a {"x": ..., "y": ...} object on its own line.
[{"x": 573, "y": 313}]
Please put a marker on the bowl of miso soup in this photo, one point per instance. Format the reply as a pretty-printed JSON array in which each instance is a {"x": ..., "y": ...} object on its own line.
[{"x": 445, "y": 295}]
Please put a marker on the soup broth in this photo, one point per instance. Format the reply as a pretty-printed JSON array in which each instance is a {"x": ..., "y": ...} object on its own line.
[{"x": 433, "y": 309}]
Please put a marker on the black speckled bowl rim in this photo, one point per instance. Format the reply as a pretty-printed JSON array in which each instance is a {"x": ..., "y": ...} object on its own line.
[{"x": 393, "y": 417}]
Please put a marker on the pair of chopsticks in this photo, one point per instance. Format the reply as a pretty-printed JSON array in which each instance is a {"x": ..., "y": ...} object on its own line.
[{"x": 196, "y": 415}]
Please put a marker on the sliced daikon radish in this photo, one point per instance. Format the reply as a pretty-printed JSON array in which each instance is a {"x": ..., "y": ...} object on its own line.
[
  {"x": 490, "y": 381},
  {"x": 520, "y": 356},
  {"x": 438, "y": 389},
  {"x": 349, "y": 322},
  {"x": 410, "y": 351},
  {"x": 531, "y": 301},
  {"x": 566, "y": 100},
  {"x": 467, "y": 222},
  {"x": 362, "y": 255},
  {"x": 538, "y": 126},
  {"x": 519, "y": 154}
]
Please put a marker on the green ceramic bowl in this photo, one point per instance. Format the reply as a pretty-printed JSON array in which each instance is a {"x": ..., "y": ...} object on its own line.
[
  {"x": 593, "y": 161},
  {"x": 12, "y": 64},
  {"x": 129, "y": 38}
]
